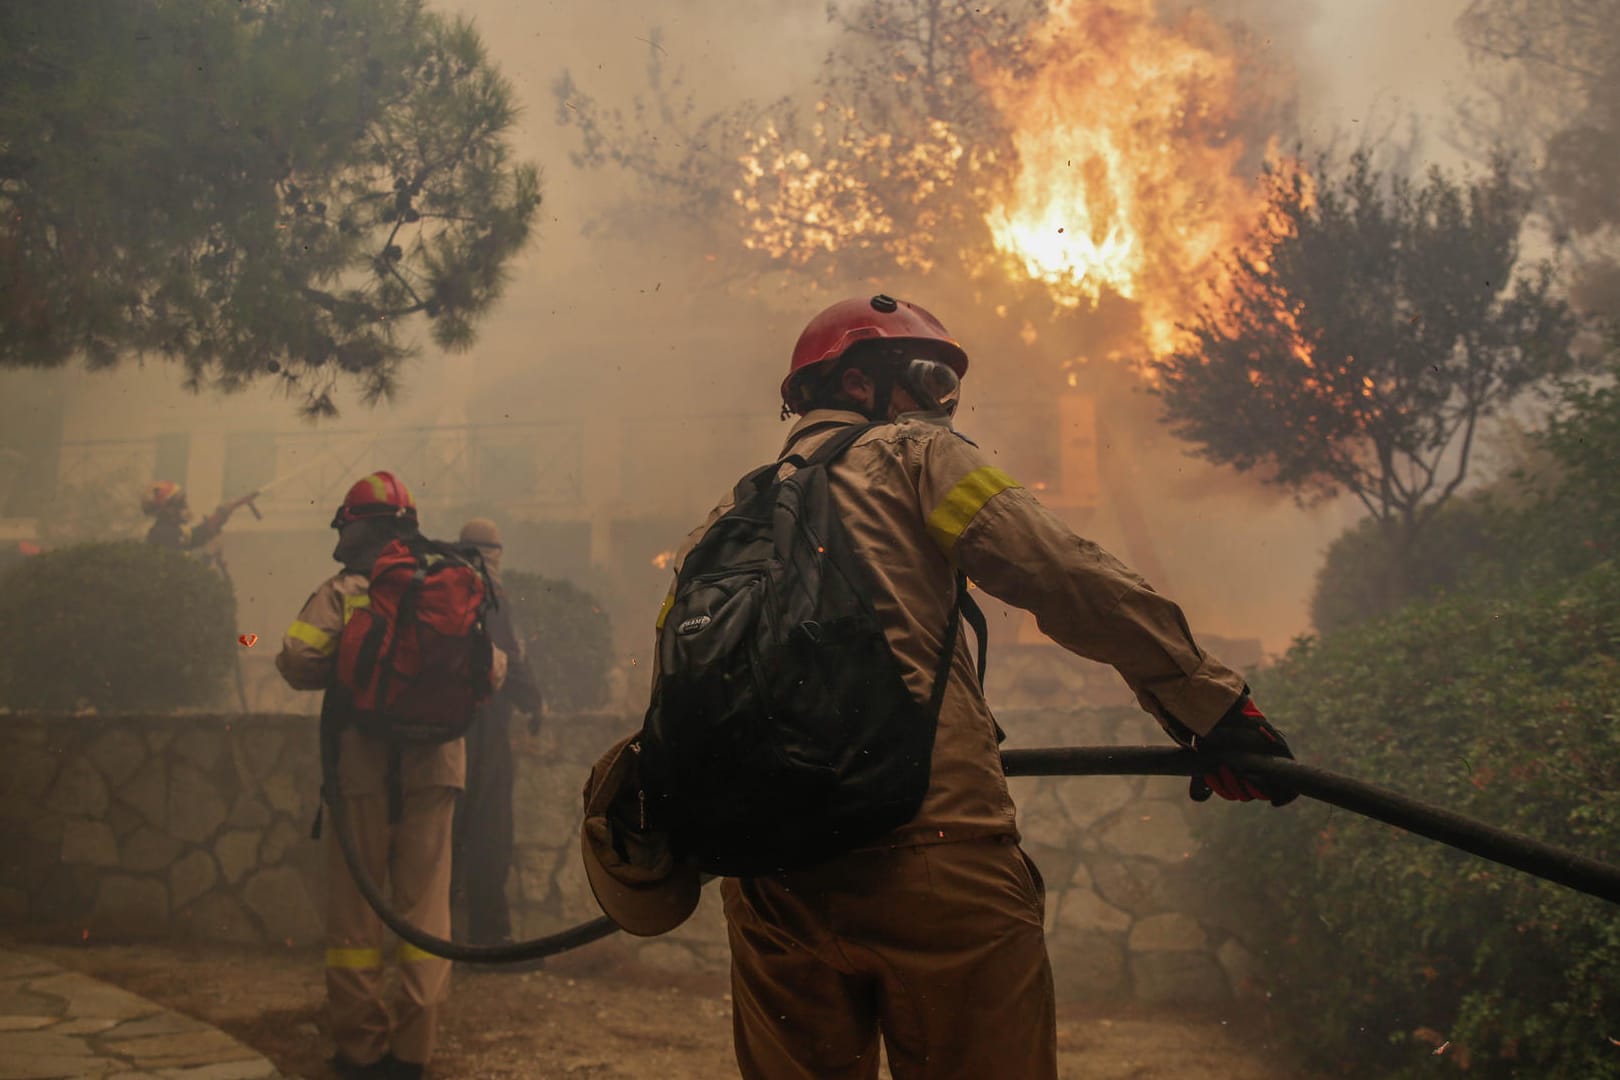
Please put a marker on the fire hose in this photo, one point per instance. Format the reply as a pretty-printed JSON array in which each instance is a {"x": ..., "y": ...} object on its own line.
[
  {"x": 1522, "y": 853},
  {"x": 250, "y": 500}
]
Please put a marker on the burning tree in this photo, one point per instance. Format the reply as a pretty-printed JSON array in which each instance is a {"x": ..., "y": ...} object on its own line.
[
  {"x": 1080, "y": 163},
  {"x": 1366, "y": 337},
  {"x": 277, "y": 187},
  {"x": 861, "y": 174}
]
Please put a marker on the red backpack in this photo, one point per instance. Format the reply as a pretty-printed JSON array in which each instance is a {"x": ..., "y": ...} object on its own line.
[{"x": 416, "y": 659}]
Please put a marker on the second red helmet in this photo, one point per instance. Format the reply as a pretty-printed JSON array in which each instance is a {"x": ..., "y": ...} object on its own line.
[{"x": 382, "y": 494}]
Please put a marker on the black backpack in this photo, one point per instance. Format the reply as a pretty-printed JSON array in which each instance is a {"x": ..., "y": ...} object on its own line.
[{"x": 781, "y": 732}]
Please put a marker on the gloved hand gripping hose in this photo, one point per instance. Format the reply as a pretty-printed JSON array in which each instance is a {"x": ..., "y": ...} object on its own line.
[{"x": 1475, "y": 837}]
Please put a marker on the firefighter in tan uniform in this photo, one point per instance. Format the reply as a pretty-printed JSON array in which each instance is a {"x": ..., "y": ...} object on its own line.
[
  {"x": 933, "y": 937},
  {"x": 378, "y": 1038}
]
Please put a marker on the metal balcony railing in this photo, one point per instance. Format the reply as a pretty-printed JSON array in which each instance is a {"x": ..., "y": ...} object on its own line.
[{"x": 524, "y": 463}]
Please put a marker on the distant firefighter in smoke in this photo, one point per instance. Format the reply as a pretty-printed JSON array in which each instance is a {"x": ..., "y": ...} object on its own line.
[{"x": 165, "y": 501}]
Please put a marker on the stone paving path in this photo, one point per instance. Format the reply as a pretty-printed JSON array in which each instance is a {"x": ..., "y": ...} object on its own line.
[{"x": 56, "y": 1023}]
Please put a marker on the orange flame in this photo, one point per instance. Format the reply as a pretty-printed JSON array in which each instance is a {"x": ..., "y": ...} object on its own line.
[
  {"x": 663, "y": 559},
  {"x": 1128, "y": 174},
  {"x": 797, "y": 202}
]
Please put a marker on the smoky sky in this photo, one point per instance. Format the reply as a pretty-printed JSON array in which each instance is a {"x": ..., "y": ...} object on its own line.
[{"x": 621, "y": 325}]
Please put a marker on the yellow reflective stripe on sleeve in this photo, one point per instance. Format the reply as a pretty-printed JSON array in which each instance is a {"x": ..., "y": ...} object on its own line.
[
  {"x": 354, "y": 959},
  {"x": 313, "y": 636},
  {"x": 963, "y": 501},
  {"x": 410, "y": 954},
  {"x": 350, "y": 603},
  {"x": 663, "y": 612}
]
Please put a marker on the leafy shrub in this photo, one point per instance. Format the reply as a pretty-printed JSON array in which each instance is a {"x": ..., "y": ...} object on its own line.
[
  {"x": 120, "y": 626},
  {"x": 1575, "y": 521},
  {"x": 568, "y": 636},
  {"x": 1504, "y": 709},
  {"x": 103, "y": 506},
  {"x": 1363, "y": 577}
]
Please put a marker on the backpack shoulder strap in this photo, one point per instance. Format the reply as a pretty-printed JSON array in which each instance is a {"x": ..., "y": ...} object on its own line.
[
  {"x": 942, "y": 671},
  {"x": 976, "y": 617},
  {"x": 798, "y": 437},
  {"x": 834, "y": 448},
  {"x": 825, "y": 454},
  {"x": 981, "y": 630}
]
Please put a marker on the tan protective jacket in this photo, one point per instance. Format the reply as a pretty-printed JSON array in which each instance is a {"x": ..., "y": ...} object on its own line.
[
  {"x": 919, "y": 503},
  {"x": 308, "y": 661}
]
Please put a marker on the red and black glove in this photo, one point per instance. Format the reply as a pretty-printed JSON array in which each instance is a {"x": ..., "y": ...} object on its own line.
[{"x": 1245, "y": 730}]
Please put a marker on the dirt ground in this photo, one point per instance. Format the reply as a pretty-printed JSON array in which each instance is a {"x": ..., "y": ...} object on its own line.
[{"x": 591, "y": 1015}]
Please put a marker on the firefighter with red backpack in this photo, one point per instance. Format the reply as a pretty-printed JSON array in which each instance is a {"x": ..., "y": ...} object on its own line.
[{"x": 396, "y": 639}]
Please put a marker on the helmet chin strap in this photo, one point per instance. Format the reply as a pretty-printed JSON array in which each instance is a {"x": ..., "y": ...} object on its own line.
[{"x": 883, "y": 380}]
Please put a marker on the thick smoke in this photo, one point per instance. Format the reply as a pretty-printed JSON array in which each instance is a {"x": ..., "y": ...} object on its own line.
[{"x": 630, "y": 334}]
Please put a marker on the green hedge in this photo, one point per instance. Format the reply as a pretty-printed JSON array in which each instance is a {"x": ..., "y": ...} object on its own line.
[
  {"x": 1507, "y": 710},
  {"x": 1355, "y": 581},
  {"x": 121, "y": 626},
  {"x": 568, "y": 636}
]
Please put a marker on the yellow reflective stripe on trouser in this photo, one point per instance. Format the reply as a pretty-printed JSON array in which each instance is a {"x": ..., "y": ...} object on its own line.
[
  {"x": 350, "y": 603},
  {"x": 410, "y": 954},
  {"x": 962, "y": 502},
  {"x": 663, "y": 612},
  {"x": 313, "y": 636},
  {"x": 354, "y": 959}
]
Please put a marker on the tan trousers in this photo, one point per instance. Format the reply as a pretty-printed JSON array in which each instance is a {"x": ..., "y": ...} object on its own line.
[
  {"x": 938, "y": 948},
  {"x": 411, "y": 861}
]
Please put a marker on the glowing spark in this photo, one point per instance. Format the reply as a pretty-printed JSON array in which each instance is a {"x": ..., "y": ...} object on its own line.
[
  {"x": 248, "y": 640},
  {"x": 663, "y": 559}
]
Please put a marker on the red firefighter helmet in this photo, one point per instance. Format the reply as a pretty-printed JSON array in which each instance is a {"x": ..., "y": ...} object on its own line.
[
  {"x": 380, "y": 495},
  {"x": 161, "y": 495},
  {"x": 831, "y": 334}
]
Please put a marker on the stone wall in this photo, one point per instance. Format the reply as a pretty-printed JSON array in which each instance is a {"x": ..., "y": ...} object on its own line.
[
  {"x": 137, "y": 827},
  {"x": 198, "y": 827}
]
